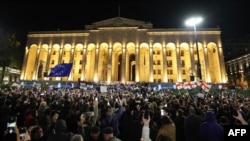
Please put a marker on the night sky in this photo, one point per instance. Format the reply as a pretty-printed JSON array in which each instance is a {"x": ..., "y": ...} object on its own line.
[{"x": 232, "y": 16}]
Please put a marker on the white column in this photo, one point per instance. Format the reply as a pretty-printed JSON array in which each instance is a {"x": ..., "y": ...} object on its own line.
[
  {"x": 137, "y": 64},
  {"x": 178, "y": 61},
  {"x": 83, "y": 77},
  {"x": 151, "y": 76},
  {"x": 109, "y": 65},
  {"x": 34, "y": 77},
  {"x": 164, "y": 64},
  {"x": 206, "y": 67},
  {"x": 48, "y": 62},
  {"x": 222, "y": 65},
  {"x": 72, "y": 56},
  {"x": 192, "y": 69},
  {"x": 123, "y": 63},
  {"x": 96, "y": 63},
  {"x": 24, "y": 67}
]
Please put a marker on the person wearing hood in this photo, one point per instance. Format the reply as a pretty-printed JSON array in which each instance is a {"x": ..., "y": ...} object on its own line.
[
  {"x": 60, "y": 133},
  {"x": 112, "y": 118},
  {"x": 210, "y": 129}
]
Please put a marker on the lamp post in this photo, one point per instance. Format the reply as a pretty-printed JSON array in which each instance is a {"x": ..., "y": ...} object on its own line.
[{"x": 193, "y": 22}]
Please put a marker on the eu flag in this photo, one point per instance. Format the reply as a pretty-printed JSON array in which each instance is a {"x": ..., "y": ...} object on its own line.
[{"x": 61, "y": 70}]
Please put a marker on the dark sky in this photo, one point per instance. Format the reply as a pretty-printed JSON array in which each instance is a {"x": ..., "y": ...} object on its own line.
[{"x": 232, "y": 16}]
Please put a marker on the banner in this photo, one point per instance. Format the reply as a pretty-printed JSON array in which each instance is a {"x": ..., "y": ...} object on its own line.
[
  {"x": 61, "y": 70},
  {"x": 103, "y": 89}
]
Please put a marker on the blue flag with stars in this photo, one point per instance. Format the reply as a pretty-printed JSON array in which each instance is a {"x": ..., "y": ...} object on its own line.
[{"x": 61, "y": 70}]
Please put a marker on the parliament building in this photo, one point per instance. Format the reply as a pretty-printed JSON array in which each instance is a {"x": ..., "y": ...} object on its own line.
[{"x": 126, "y": 50}]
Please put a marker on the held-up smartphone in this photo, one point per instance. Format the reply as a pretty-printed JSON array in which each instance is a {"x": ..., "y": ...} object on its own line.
[
  {"x": 162, "y": 112},
  {"x": 22, "y": 132},
  {"x": 11, "y": 124}
]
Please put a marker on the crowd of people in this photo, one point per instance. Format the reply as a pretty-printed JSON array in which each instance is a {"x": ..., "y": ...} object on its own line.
[{"x": 134, "y": 113}]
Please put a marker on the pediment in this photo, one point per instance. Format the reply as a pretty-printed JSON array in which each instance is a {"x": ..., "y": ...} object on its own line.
[{"x": 120, "y": 22}]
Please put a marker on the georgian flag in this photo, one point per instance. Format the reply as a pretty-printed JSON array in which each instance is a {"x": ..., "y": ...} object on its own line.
[
  {"x": 189, "y": 85},
  {"x": 204, "y": 86},
  {"x": 179, "y": 85},
  {"x": 192, "y": 84}
]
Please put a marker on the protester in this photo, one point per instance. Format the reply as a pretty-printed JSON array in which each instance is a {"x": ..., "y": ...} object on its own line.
[
  {"x": 192, "y": 126},
  {"x": 60, "y": 132},
  {"x": 167, "y": 128},
  {"x": 37, "y": 134},
  {"x": 77, "y": 137},
  {"x": 95, "y": 134},
  {"x": 31, "y": 118},
  {"x": 125, "y": 104},
  {"x": 179, "y": 124},
  {"x": 145, "y": 128},
  {"x": 108, "y": 134},
  {"x": 80, "y": 119},
  {"x": 210, "y": 130},
  {"x": 50, "y": 122},
  {"x": 112, "y": 118}
]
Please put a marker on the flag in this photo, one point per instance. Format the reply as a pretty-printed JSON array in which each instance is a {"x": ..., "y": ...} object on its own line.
[
  {"x": 179, "y": 85},
  {"x": 204, "y": 86},
  {"x": 192, "y": 84},
  {"x": 186, "y": 85},
  {"x": 61, "y": 70}
]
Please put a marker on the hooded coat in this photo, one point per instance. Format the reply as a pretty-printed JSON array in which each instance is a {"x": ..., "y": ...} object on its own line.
[{"x": 210, "y": 130}]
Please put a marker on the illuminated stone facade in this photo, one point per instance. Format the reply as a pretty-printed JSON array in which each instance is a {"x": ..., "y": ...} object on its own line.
[
  {"x": 126, "y": 50},
  {"x": 11, "y": 75},
  {"x": 238, "y": 70}
]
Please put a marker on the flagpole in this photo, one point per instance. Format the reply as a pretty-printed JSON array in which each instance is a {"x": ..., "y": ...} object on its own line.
[
  {"x": 144, "y": 63},
  {"x": 66, "y": 83},
  {"x": 67, "y": 79},
  {"x": 187, "y": 91},
  {"x": 179, "y": 91}
]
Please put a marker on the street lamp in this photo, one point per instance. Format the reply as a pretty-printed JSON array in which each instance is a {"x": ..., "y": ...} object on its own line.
[{"x": 193, "y": 22}]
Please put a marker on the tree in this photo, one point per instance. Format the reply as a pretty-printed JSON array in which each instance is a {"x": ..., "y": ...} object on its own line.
[{"x": 8, "y": 51}]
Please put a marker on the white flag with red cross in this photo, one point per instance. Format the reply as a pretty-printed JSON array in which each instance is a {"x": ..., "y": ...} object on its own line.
[
  {"x": 204, "y": 86},
  {"x": 189, "y": 85},
  {"x": 179, "y": 85}
]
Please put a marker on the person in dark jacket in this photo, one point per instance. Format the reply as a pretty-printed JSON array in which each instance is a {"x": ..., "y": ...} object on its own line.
[
  {"x": 124, "y": 124},
  {"x": 192, "y": 126},
  {"x": 51, "y": 120},
  {"x": 60, "y": 132},
  {"x": 179, "y": 124},
  {"x": 80, "y": 120},
  {"x": 211, "y": 130},
  {"x": 112, "y": 119}
]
